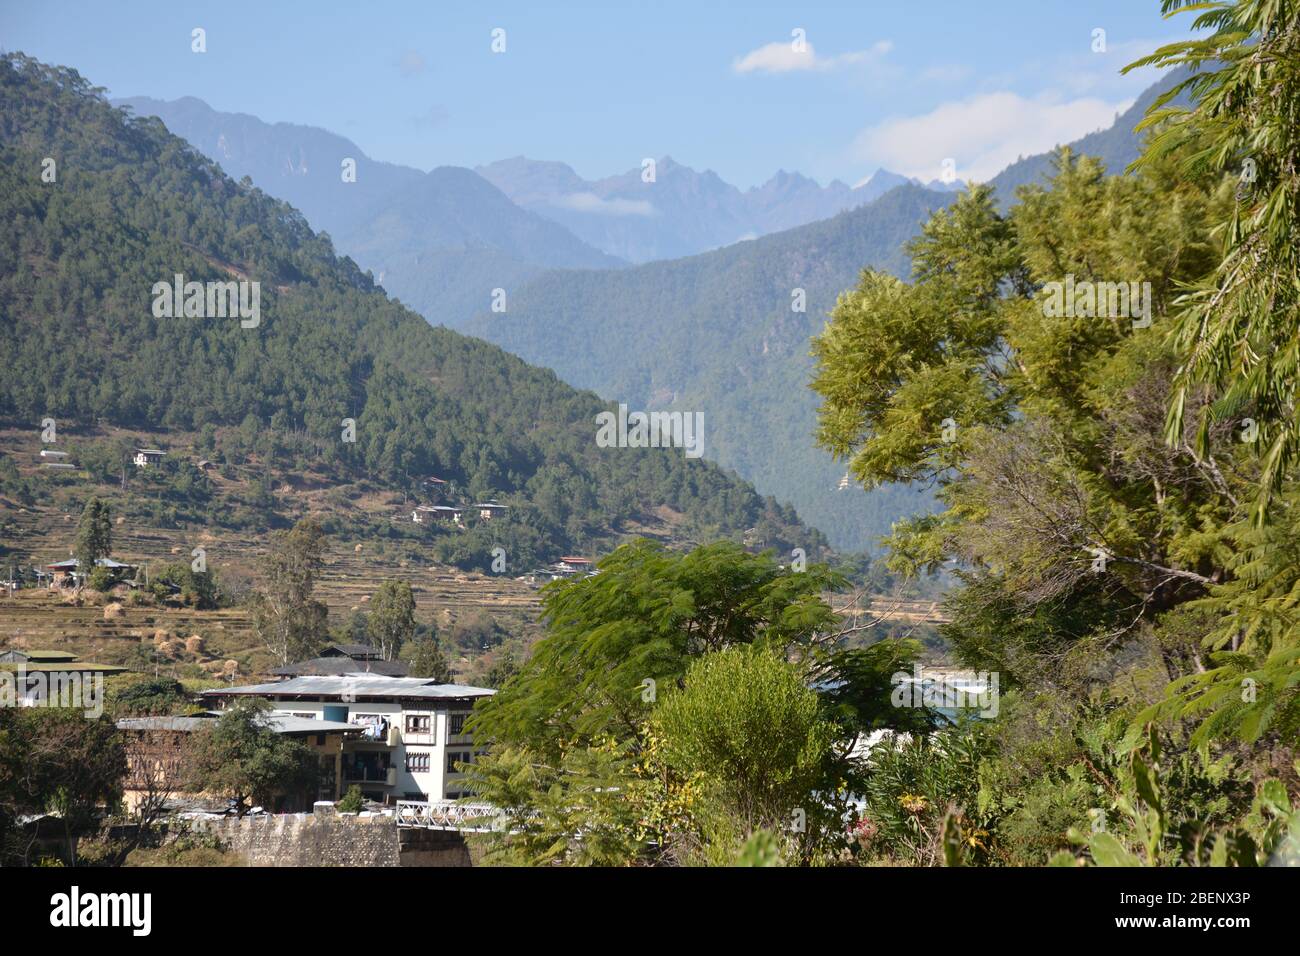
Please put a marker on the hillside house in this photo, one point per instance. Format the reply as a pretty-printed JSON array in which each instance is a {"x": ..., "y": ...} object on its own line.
[
  {"x": 413, "y": 728},
  {"x": 144, "y": 457},
  {"x": 570, "y": 566},
  {"x": 436, "y": 514},
  {"x": 490, "y": 510},
  {"x": 65, "y": 573},
  {"x": 33, "y": 676},
  {"x": 156, "y": 749}
]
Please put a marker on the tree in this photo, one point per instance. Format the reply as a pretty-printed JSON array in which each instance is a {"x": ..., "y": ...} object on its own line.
[
  {"x": 56, "y": 760},
  {"x": 289, "y": 622},
  {"x": 617, "y": 639},
  {"x": 1239, "y": 327},
  {"x": 94, "y": 536},
  {"x": 243, "y": 757},
  {"x": 1066, "y": 514},
  {"x": 746, "y": 725},
  {"x": 391, "y": 622},
  {"x": 428, "y": 660}
]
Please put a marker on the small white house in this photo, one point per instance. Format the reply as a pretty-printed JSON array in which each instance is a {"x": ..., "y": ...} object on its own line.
[
  {"x": 413, "y": 728},
  {"x": 144, "y": 457}
]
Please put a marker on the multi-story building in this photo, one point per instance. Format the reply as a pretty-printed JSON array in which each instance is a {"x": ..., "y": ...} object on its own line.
[
  {"x": 414, "y": 738},
  {"x": 157, "y": 751}
]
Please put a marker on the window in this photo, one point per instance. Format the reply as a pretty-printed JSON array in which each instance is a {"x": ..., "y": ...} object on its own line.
[
  {"x": 454, "y": 757},
  {"x": 418, "y": 723},
  {"x": 417, "y": 761},
  {"x": 456, "y": 723}
]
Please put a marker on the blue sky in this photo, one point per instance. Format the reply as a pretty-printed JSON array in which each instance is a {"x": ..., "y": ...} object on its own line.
[{"x": 602, "y": 85}]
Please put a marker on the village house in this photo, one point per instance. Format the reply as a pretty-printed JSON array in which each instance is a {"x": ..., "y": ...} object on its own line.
[
  {"x": 144, "y": 457},
  {"x": 65, "y": 573},
  {"x": 339, "y": 659},
  {"x": 55, "y": 459},
  {"x": 489, "y": 510},
  {"x": 413, "y": 729},
  {"x": 156, "y": 749},
  {"x": 570, "y": 566},
  {"x": 40, "y": 674},
  {"x": 436, "y": 513}
]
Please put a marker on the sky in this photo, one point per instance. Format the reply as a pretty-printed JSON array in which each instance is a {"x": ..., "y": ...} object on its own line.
[{"x": 830, "y": 90}]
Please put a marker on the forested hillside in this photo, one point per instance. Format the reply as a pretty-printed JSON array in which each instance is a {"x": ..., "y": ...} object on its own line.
[
  {"x": 720, "y": 333},
  {"x": 132, "y": 205}
]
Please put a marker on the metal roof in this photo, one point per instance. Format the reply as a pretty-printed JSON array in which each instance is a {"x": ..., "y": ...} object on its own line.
[
  {"x": 355, "y": 685},
  {"x": 99, "y": 563},
  {"x": 37, "y": 655},
  {"x": 280, "y": 723}
]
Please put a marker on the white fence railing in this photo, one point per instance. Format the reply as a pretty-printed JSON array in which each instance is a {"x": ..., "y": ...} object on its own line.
[{"x": 446, "y": 815}]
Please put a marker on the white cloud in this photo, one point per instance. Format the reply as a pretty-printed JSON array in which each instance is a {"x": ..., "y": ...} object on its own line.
[
  {"x": 984, "y": 133},
  {"x": 590, "y": 202},
  {"x": 784, "y": 58}
]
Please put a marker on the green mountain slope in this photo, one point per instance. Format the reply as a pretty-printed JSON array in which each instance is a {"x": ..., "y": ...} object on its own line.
[
  {"x": 133, "y": 205},
  {"x": 718, "y": 333}
]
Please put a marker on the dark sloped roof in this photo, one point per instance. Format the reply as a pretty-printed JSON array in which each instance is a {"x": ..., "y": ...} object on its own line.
[
  {"x": 333, "y": 666},
  {"x": 357, "y": 652}
]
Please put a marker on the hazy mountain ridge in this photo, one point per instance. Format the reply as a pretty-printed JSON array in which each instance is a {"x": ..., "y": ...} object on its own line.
[
  {"x": 440, "y": 240},
  {"x": 682, "y": 211},
  {"x": 734, "y": 348},
  {"x": 718, "y": 333}
]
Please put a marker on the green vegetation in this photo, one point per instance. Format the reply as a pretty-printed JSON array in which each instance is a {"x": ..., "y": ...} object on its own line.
[
  {"x": 241, "y": 755},
  {"x": 1122, "y": 536},
  {"x": 58, "y": 762},
  {"x": 391, "y": 622},
  {"x": 134, "y": 206},
  {"x": 289, "y": 622},
  {"x": 1101, "y": 480},
  {"x": 352, "y": 801},
  {"x": 94, "y": 541}
]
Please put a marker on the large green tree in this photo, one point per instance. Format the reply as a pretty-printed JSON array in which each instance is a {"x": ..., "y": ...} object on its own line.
[
  {"x": 290, "y": 622},
  {"x": 616, "y": 639},
  {"x": 242, "y": 757},
  {"x": 391, "y": 622},
  {"x": 94, "y": 536}
]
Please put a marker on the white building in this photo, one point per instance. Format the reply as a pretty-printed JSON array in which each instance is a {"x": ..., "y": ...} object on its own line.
[{"x": 414, "y": 737}]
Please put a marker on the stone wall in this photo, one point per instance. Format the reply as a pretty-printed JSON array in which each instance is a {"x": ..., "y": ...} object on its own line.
[
  {"x": 329, "y": 839},
  {"x": 309, "y": 839}
]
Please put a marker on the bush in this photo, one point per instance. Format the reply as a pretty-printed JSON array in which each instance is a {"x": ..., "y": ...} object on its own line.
[
  {"x": 352, "y": 801},
  {"x": 102, "y": 579}
]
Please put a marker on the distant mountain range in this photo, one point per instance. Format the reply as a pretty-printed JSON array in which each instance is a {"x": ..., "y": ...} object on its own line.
[
  {"x": 709, "y": 330},
  {"x": 440, "y": 241},
  {"x": 680, "y": 212},
  {"x": 721, "y": 333},
  {"x": 715, "y": 332}
]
